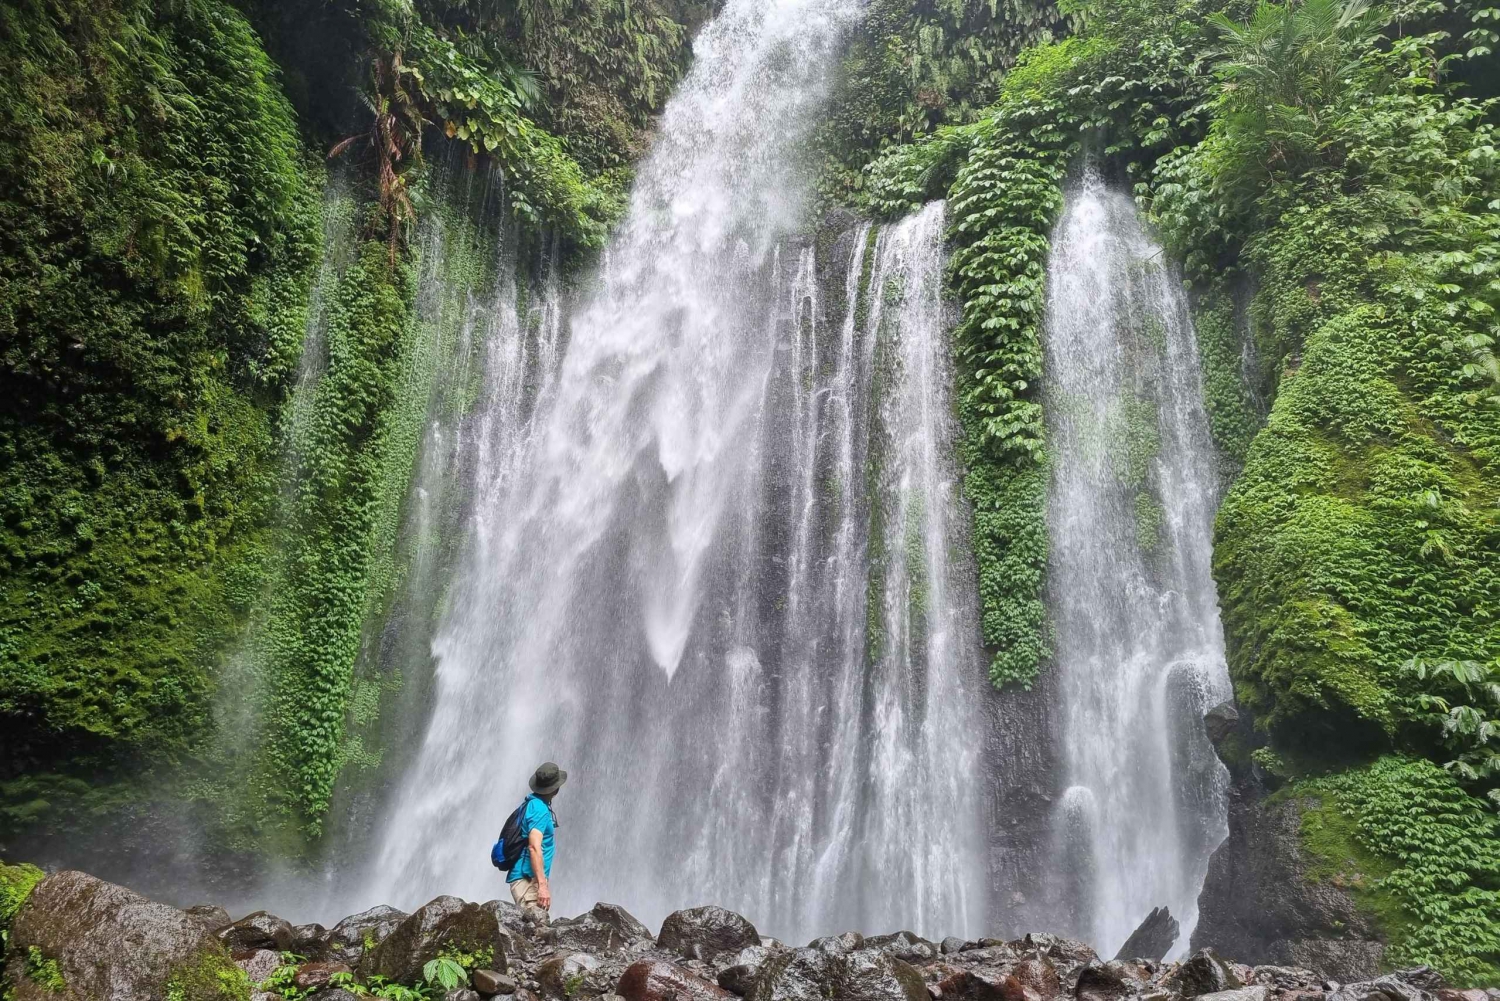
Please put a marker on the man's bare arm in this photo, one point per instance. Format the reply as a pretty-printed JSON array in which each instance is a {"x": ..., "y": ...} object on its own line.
[{"x": 538, "y": 873}]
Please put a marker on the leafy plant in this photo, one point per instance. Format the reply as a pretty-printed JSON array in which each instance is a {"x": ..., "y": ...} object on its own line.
[
  {"x": 1465, "y": 709},
  {"x": 445, "y": 972}
]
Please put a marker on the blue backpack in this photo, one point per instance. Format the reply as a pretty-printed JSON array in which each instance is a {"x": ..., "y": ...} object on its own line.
[{"x": 507, "y": 851}]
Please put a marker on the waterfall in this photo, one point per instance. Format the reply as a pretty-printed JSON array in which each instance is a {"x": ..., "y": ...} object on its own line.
[
  {"x": 712, "y": 573},
  {"x": 1139, "y": 648}
]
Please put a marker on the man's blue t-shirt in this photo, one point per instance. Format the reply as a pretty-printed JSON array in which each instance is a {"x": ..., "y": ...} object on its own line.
[{"x": 536, "y": 817}]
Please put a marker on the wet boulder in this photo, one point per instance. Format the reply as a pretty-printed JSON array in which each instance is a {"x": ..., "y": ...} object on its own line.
[
  {"x": 904, "y": 945},
  {"x": 1286, "y": 978},
  {"x": 350, "y": 938},
  {"x": 706, "y": 933},
  {"x": 838, "y": 945},
  {"x": 952, "y": 945},
  {"x": 975, "y": 985},
  {"x": 1034, "y": 980},
  {"x": 311, "y": 976},
  {"x": 489, "y": 983},
  {"x": 1153, "y": 939},
  {"x": 442, "y": 924},
  {"x": 78, "y": 938},
  {"x": 622, "y": 921},
  {"x": 565, "y": 976},
  {"x": 1391, "y": 987},
  {"x": 1110, "y": 981},
  {"x": 606, "y": 928},
  {"x": 515, "y": 929},
  {"x": 815, "y": 975},
  {"x": 261, "y": 930},
  {"x": 1056, "y": 948},
  {"x": 214, "y": 917},
  {"x": 658, "y": 981},
  {"x": 1254, "y": 993},
  {"x": 739, "y": 976},
  {"x": 310, "y": 940},
  {"x": 1202, "y": 973},
  {"x": 258, "y": 964}
]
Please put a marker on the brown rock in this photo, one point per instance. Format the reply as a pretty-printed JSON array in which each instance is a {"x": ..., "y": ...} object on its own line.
[
  {"x": 975, "y": 985},
  {"x": 261, "y": 930},
  {"x": 489, "y": 983},
  {"x": 1039, "y": 977},
  {"x": 310, "y": 975},
  {"x": 658, "y": 981},
  {"x": 706, "y": 932}
]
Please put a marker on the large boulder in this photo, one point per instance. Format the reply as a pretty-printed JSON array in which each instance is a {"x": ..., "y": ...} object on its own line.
[
  {"x": 1203, "y": 973},
  {"x": 78, "y": 938},
  {"x": 1261, "y": 902},
  {"x": 310, "y": 941},
  {"x": 817, "y": 975},
  {"x": 1153, "y": 939},
  {"x": 976, "y": 985},
  {"x": 705, "y": 933},
  {"x": 566, "y": 976},
  {"x": 214, "y": 917},
  {"x": 350, "y": 938},
  {"x": 1110, "y": 981},
  {"x": 658, "y": 981},
  {"x": 904, "y": 945},
  {"x": 1391, "y": 987},
  {"x": 261, "y": 930},
  {"x": 442, "y": 924},
  {"x": 606, "y": 928},
  {"x": 258, "y": 964}
]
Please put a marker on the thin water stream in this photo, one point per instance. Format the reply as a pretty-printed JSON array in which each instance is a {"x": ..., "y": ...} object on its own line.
[{"x": 1138, "y": 645}]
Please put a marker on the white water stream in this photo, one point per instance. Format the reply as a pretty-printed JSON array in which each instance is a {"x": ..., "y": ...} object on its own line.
[
  {"x": 710, "y": 571},
  {"x": 1138, "y": 643}
]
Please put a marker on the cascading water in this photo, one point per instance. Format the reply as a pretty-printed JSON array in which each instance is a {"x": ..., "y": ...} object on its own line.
[
  {"x": 1138, "y": 643},
  {"x": 712, "y": 577}
]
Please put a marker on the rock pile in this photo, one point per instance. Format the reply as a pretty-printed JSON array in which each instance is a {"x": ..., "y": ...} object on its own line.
[{"x": 104, "y": 941}]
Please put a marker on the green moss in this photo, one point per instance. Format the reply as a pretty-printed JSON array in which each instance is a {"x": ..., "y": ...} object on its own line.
[
  {"x": 213, "y": 978},
  {"x": 157, "y": 231},
  {"x": 1417, "y": 854},
  {"x": 44, "y": 971}
]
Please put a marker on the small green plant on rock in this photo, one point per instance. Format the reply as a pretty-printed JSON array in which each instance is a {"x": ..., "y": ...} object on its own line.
[
  {"x": 44, "y": 971},
  {"x": 446, "y": 972}
]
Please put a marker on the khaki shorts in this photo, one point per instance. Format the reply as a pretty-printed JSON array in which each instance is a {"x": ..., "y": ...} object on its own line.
[{"x": 524, "y": 892}]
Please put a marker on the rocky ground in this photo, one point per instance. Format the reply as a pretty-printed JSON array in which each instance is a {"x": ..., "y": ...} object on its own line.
[{"x": 78, "y": 937}]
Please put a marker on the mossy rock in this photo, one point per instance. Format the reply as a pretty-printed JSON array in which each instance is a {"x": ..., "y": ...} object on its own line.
[{"x": 78, "y": 938}]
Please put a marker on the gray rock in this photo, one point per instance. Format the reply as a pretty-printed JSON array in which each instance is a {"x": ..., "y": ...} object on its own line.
[
  {"x": 491, "y": 982},
  {"x": 261, "y": 930},
  {"x": 1286, "y": 978},
  {"x": 838, "y": 945},
  {"x": 904, "y": 945},
  {"x": 739, "y": 979},
  {"x": 1422, "y": 977},
  {"x": 1153, "y": 939},
  {"x": 560, "y": 976},
  {"x": 622, "y": 921},
  {"x": 214, "y": 917},
  {"x": 1220, "y": 721},
  {"x": 107, "y": 942},
  {"x": 442, "y": 923},
  {"x": 1391, "y": 987},
  {"x": 706, "y": 932},
  {"x": 814, "y": 975},
  {"x": 461, "y": 994},
  {"x": 1260, "y": 905},
  {"x": 606, "y": 928},
  {"x": 1203, "y": 973},
  {"x": 953, "y": 945},
  {"x": 258, "y": 964},
  {"x": 349, "y": 938},
  {"x": 1053, "y": 947},
  {"x": 1256, "y": 993},
  {"x": 1111, "y": 981},
  {"x": 310, "y": 940}
]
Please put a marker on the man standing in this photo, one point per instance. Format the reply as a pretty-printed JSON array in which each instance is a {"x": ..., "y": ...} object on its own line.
[{"x": 529, "y": 877}]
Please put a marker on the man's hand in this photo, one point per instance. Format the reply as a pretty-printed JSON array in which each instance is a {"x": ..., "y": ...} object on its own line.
[{"x": 543, "y": 894}]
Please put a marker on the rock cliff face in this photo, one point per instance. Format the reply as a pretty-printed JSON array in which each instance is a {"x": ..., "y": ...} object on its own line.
[
  {"x": 78, "y": 937},
  {"x": 1261, "y": 901}
]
